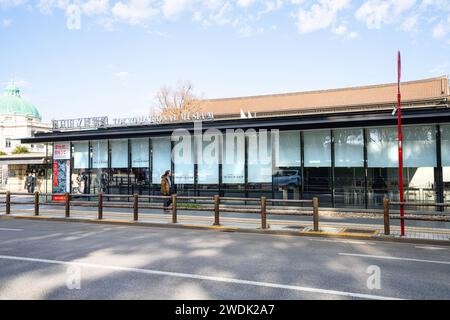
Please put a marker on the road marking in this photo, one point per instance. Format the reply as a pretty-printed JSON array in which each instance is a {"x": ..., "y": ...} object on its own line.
[
  {"x": 10, "y": 229},
  {"x": 342, "y": 241},
  {"x": 203, "y": 277},
  {"x": 393, "y": 258},
  {"x": 430, "y": 248}
]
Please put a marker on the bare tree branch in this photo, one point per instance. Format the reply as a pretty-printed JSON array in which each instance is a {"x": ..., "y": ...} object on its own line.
[{"x": 178, "y": 101}]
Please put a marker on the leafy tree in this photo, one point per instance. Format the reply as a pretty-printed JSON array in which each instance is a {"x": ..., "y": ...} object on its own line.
[{"x": 20, "y": 150}]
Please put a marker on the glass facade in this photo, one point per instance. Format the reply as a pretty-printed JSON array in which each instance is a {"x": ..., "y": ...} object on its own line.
[{"x": 344, "y": 167}]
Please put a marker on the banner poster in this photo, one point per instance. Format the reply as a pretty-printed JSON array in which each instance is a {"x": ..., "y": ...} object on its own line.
[
  {"x": 61, "y": 170},
  {"x": 61, "y": 151}
]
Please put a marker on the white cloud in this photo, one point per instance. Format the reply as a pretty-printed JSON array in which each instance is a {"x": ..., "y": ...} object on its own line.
[
  {"x": 122, "y": 74},
  {"x": 321, "y": 15},
  {"x": 6, "y": 23},
  {"x": 245, "y": 3},
  {"x": 410, "y": 23},
  {"x": 135, "y": 11},
  {"x": 47, "y": 6},
  {"x": 12, "y": 3},
  {"x": 375, "y": 13},
  {"x": 173, "y": 8},
  {"x": 95, "y": 7},
  {"x": 440, "y": 31}
]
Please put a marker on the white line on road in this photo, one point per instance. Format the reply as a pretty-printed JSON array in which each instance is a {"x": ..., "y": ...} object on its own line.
[
  {"x": 202, "y": 277},
  {"x": 430, "y": 248},
  {"x": 393, "y": 258},
  {"x": 10, "y": 229}
]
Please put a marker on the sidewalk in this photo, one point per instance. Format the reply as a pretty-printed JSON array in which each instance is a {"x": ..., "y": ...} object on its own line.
[{"x": 249, "y": 223}]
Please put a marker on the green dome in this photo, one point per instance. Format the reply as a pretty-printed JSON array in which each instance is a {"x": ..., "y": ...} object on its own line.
[{"x": 11, "y": 103}]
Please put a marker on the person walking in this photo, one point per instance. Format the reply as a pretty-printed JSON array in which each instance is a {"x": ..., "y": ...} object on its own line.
[
  {"x": 28, "y": 181},
  {"x": 33, "y": 183},
  {"x": 167, "y": 188}
]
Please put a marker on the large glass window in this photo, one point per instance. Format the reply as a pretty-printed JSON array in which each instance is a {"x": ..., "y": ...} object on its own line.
[
  {"x": 259, "y": 164},
  {"x": 233, "y": 163},
  {"x": 183, "y": 157},
  {"x": 287, "y": 164},
  {"x": 382, "y": 162},
  {"x": 419, "y": 159},
  {"x": 80, "y": 170},
  {"x": 208, "y": 150},
  {"x": 161, "y": 159},
  {"x": 349, "y": 167},
  {"x": 445, "y": 158},
  {"x": 99, "y": 173},
  {"x": 118, "y": 182},
  {"x": 317, "y": 163},
  {"x": 140, "y": 171}
]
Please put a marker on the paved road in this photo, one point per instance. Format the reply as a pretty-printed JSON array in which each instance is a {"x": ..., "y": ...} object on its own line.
[{"x": 39, "y": 258}]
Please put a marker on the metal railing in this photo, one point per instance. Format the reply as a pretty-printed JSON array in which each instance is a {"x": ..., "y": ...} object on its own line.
[
  {"x": 387, "y": 215},
  {"x": 218, "y": 205}
]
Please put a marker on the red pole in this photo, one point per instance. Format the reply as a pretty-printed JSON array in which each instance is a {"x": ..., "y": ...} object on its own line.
[{"x": 400, "y": 147}]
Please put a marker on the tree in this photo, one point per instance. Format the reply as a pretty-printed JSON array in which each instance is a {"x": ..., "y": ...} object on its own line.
[
  {"x": 3, "y": 153},
  {"x": 20, "y": 150},
  {"x": 173, "y": 103}
]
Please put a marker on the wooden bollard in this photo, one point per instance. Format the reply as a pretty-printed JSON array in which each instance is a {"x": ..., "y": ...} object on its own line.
[
  {"x": 216, "y": 210},
  {"x": 387, "y": 225},
  {"x": 36, "y": 203},
  {"x": 135, "y": 206},
  {"x": 100, "y": 206},
  {"x": 67, "y": 200},
  {"x": 174, "y": 208},
  {"x": 316, "y": 214},
  {"x": 263, "y": 213},
  {"x": 8, "y": 202}
]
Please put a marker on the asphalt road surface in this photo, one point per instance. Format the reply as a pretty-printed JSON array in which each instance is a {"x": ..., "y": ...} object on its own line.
[{"x": 67, "y": 260}]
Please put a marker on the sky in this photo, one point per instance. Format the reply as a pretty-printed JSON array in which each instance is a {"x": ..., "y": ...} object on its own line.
[{"x": 80, "y": 58}]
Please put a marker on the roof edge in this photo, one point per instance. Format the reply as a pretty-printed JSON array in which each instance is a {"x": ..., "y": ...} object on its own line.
[{"x": 443, "y": 77}]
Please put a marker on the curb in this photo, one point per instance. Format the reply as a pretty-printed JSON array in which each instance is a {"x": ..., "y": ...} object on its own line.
[{"x": 319, "y": 234}]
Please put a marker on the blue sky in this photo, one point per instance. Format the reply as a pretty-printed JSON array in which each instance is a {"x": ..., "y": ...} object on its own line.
[{"x": 98, "y": 57}]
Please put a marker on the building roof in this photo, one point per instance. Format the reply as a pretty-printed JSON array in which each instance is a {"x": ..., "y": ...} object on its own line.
[
  {"x": 11, "y": 103},
  {"x": 420, "y": 90}
]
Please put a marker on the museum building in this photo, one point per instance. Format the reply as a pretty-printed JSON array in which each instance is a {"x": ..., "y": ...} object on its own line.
[{"x": 339, "y": 145}]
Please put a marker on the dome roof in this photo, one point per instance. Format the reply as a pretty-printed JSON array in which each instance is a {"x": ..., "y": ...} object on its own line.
[{"x": 11, "y": 103}]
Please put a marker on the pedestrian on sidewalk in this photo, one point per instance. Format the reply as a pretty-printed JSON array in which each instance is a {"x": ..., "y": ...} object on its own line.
[{"x": 167, "y": 188}]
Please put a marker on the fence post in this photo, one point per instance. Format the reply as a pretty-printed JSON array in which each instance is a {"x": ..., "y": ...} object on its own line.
[
  {"x": 263, "y": 213},
  {"x": 135, "y": 206},
  {"x": 216, "y": 210},
  {"x": 316, "y": 214},
  {"x": 174, "y": 208},
  {"x": 387, "y": 226},
  {"x": 36, "y": 203},
  {"x": 67, "y": 200},
  {"x": 8, "y": 202},
  {"x": 100, "y": 205}
]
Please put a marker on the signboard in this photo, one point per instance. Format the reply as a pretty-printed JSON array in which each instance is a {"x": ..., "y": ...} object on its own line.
[
  {"x": 102, "y": 122},
  {"x": 61, "y": 170}
]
